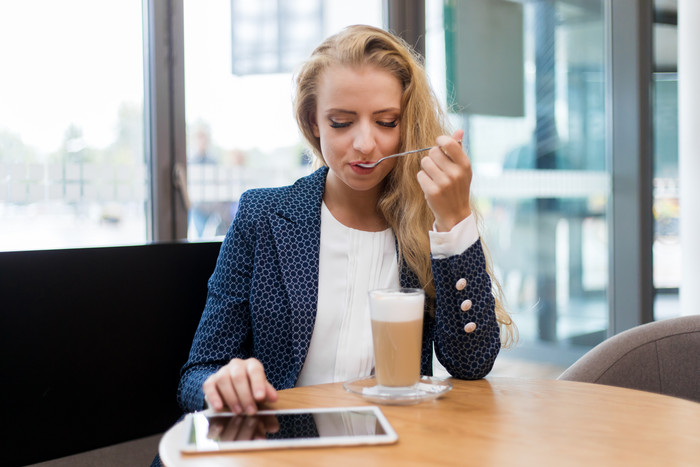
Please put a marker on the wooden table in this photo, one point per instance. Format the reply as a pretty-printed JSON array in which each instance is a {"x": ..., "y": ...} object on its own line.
[{"x": 493, "y": 422}]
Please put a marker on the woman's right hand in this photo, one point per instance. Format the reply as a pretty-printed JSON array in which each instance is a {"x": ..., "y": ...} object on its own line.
[{"x": 240, "y": 385}]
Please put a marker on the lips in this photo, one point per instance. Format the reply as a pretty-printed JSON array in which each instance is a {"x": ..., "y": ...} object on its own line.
[{"x": 360, "y": 170}]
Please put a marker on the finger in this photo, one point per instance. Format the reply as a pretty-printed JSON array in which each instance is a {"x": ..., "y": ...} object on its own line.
[
  {"x": 260, "y": 432},
  {"x": 227, "y": 391},
  {"x": 457, "y": 137},
  {"x": 448, "y": 170},
  {"x": 440, "y": 176},
  {"x": 426, "y": 184},
  {"x": 225, "y": 387},
  {"x": 249, "y": 427},
  {"x": 211, "y": 394},
  {"x": 265, "y": 426},
  {"x": 271, "y": 393},
  {"x": 430, "y": 165},
  {"x": 241, "y": 383},
  {"x": 216, "y": 427},
  {"x": 272, "y": 425},
  {"x": 258, "y": 381},
  {"x": 452, "y": 150},
  {"x": 232, "y": 429},
  {"x": 447, "y": 199},
  {"x": 442, "y": 169}
]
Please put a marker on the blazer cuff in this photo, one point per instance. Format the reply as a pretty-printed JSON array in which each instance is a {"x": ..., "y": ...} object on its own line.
[{"x": 456, "y": 241}]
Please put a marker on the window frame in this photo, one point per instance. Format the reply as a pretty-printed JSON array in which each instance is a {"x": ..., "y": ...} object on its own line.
[
  {"x": 164, "y": 117},
  {"x": 629, "y": 151}
]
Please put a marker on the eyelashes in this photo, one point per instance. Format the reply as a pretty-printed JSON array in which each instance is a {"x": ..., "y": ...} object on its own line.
[
  {"x": 335, "y": 124},
  {"x": 392, "y": 124}
]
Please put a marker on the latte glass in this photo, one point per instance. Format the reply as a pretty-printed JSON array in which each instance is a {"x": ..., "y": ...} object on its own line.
[{"x": 397, "y": 330}]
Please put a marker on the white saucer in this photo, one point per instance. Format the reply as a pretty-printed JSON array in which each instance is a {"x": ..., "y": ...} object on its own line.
[{"x": 428, "y": 388}]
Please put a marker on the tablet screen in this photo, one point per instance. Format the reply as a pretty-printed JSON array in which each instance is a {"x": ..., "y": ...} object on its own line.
[{"x": 287, "y": 428}]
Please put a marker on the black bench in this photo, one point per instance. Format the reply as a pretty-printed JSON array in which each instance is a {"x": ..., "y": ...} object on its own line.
[{"x": 92, "y": 343}]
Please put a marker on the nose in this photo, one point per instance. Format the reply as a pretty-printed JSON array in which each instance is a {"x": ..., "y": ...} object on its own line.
[{"x": 364, "y": 139}]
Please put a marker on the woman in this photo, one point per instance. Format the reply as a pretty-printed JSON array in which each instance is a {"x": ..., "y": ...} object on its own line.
[{"x": 287, "y": 303}]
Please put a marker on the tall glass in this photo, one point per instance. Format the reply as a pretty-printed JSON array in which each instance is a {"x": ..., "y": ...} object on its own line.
[{"x": 397, "y": 329}]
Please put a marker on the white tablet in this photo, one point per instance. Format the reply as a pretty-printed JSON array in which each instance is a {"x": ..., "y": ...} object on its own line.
[{"x": 270, "y": 429}]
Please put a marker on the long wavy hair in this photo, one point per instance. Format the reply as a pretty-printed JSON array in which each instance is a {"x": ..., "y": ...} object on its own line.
[{"x": 422, "y": 119}]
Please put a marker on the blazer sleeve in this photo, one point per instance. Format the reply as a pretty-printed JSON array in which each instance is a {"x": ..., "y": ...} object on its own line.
[
  {"x": 224, "y": 331},
  {"x": 465, "y": 355}
]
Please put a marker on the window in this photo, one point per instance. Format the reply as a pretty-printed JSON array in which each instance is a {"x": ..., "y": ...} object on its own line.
[
  {"x": 533, "y": 106},
  {"x": 72, "y": 164},
  {"x": 74, "y": 171},
  {"x": 241, "y": 130},
  {"x": 667, "y": 245}
]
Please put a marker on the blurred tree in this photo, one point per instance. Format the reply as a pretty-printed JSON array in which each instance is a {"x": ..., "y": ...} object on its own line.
[
  {"x": 14, "y": 151},
  {"x": 128, "y": 146}
]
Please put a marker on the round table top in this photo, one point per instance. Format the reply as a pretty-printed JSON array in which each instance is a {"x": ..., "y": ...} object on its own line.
[{"x": 494, "y": 421}]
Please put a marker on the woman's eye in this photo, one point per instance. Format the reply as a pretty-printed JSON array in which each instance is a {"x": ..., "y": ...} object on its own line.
[
  {"x": 391, "y": 124},
  {"x": 335, "y": 124}
]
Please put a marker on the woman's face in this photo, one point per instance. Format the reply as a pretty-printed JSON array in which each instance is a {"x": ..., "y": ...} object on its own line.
[{"x": 357, "y": 120}]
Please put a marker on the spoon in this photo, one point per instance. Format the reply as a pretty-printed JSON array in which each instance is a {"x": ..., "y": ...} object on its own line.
[{"x": 371, "y": 165}]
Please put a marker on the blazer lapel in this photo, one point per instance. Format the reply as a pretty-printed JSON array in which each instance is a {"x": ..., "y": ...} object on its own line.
[{"x": 296, "y": 227}]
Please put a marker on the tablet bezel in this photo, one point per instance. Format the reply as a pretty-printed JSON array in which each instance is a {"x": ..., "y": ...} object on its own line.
[{"x": 389, "y": 436}]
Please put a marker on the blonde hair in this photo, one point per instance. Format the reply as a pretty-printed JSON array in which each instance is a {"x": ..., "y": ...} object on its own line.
[{"x": 422, "y": 119}]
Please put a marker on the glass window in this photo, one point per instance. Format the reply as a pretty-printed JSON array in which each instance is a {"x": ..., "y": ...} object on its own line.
[
  {"x": 72, "y": 166},
  {"x": 239, "y": 63},
  {"x": 667, "y": 245},
  {"x": 532, "y": 104}
]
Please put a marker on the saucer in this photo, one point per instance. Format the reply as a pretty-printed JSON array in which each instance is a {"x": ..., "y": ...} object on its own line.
[{"x": 428, "y": 388}]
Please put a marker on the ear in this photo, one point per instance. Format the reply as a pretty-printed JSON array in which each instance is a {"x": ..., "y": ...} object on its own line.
[{"x": 314, "y": 124}]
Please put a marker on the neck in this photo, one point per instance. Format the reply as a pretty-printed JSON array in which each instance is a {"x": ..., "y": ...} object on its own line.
[{"x": 355, "y": 209}]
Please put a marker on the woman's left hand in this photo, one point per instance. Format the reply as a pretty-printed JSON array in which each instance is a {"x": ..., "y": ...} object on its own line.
[{"x": 446, "y": 178}]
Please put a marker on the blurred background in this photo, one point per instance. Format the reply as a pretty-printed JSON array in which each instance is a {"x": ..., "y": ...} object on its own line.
[{"x": 125, "y": 122}]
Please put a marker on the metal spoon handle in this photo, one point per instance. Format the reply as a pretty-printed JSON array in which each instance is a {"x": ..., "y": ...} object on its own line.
[
  {"x": 374, "y": 164},
  {"x": 403, "y": 154}
]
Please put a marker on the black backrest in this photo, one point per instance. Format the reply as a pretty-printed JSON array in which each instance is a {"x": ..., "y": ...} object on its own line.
[{"x": 92, "y": 342}]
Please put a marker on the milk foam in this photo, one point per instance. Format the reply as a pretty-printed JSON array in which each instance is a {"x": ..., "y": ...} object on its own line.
[{"x": 396, "y": 306}]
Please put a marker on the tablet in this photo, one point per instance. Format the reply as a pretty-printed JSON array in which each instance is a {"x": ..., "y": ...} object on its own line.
[{"x": 291, "y": 428}]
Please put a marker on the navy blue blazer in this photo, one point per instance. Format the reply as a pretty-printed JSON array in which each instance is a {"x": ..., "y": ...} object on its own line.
[{"x": 263, "y": 296}]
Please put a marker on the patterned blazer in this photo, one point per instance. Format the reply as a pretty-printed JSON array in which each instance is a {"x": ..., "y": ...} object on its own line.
[{"x": 263, "y": 296}]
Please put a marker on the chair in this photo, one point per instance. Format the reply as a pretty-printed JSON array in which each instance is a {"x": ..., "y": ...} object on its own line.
[
  {"x": 661, "y": 357},
  {"x": 137, "y": 452},
  {"x": 92, "y": 342}
]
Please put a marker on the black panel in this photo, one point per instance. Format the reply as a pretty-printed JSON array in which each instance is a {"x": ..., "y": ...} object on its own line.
[{"x": 89, "y": 335}]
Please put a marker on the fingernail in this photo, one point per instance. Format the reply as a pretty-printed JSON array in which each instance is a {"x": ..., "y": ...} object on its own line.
[
  {"x": 260, "y": 393},
  {"x": 250, "y": 410},
  {"x": 237, "y": 409}
]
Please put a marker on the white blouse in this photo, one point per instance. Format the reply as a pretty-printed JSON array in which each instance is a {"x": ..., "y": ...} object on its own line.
[{"x": 352, "y": 262}]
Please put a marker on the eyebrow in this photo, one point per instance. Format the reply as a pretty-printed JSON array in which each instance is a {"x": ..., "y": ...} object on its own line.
[{"x": 352, "y": 112}]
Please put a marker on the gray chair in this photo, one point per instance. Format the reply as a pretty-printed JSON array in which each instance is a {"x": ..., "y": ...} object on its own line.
[
  {"x": 661, "y": 357},
  {"x": 132, "y": 453}
]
